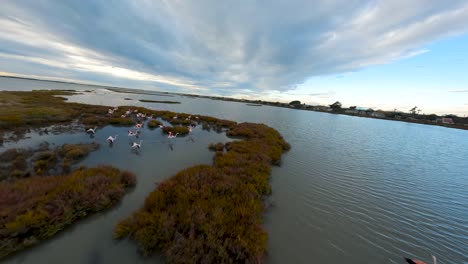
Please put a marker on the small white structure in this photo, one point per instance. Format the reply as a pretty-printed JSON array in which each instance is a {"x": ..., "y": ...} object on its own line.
[{"x": 445, "y": 120}]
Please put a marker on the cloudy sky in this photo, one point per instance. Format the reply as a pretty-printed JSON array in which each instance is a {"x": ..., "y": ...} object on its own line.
[{"x": 383, "y": 54}]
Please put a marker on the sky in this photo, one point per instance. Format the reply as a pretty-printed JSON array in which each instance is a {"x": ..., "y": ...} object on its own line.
[{"x": 389, "y": 54}]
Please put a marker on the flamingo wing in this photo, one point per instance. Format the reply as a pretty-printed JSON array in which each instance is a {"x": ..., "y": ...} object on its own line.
[{"x": 413, "y": 261}]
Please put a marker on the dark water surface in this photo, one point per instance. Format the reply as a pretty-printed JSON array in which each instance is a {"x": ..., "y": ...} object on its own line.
[{"x": 351, "y": 190}]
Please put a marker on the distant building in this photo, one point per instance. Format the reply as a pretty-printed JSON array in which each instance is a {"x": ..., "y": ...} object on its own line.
[
  {"x": 377, "y": 114},
  {"x": 322, "y": 108},
  {"x": 445, "y": 120},
  {"x": 351, "y": 111}
]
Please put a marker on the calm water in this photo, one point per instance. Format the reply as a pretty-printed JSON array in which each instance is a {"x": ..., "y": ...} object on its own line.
[{"x": 351, "y": 190}]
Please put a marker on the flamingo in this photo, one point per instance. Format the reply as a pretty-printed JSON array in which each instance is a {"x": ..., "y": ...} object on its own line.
[
  {"x": 137, "y": 145},
  {"x": 175, "y": 117},
  {"x": 91, "y": 131},
  {"x": 171, "y": 135},
  {"x": 190, "y": 134},
  {"x": 110, "y": 111},
  {"x": 132, "y": 134},
  {"x": 138, "y": 126},
  {"x": 112, "y": 139},
  {"x": 123, "y": 116},
  {"x": 414, "y": 261}
]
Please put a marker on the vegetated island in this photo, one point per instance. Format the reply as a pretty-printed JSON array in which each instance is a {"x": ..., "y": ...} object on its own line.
[
  {"x": 42, "y": 161},
  {"x": 209, "y": 214},
  {"x": 36, "y": 208},
  {"x": 212, "y": 214},
  {"x": 136, "y": 91},
  {"x": 160, "y": 102}
]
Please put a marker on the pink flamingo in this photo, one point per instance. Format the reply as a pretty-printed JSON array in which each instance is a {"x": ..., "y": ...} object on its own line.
[
  {"x": 137, "y": 145},
  {"x": 112, "y": 139},
  {"x": 91, "y": 131},
  {"x": 138, "y": 125},
  {"x": 132, "y": 134},
  {"x": 171, "y": 135}
]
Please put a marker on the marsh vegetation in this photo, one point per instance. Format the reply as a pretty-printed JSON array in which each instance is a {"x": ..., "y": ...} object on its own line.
[
  {"x": 43, "y": 160},
  {"x": 204, "y": 213},
  {"x": 212, "y": 214},
  {"x": 36, "y": 208}
]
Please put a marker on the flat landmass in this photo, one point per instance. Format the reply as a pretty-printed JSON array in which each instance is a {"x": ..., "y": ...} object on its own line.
[
  {"x": 136, "y": 91},
  {"x": 159, "y": 102}
]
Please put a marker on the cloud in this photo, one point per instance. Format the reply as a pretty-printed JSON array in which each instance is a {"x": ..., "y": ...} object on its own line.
[
  {"x": 459, "y": 91},
  {"x": 328, "y": 94},
  {"x": 247, "y": 47}
]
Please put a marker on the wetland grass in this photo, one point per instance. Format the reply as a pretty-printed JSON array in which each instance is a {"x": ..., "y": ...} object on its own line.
[{"x": 154, "y": 124}]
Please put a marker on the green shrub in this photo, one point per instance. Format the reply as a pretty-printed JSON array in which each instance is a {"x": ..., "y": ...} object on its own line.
[
  {"x": 75, "y": 152},
  {"x": 216, "y": 147},
  {"x": 182, "y": 130},
  {"x": 121, "y": 121},
  {"x": 154, "y": 123},
  {"x": 40, "y": 166},
  {"x": 45, "y": 155}
]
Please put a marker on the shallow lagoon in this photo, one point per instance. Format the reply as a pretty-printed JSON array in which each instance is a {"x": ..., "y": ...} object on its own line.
[
  {"x": 91, "y": 240},
  {"x": 351, "y": 189}
]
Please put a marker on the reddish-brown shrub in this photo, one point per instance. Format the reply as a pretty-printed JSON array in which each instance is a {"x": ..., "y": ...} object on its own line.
[{"x": 211, "y": 214}]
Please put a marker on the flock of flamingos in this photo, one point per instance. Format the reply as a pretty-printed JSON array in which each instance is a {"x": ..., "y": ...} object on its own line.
[{"x": 140, "y": 121}]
